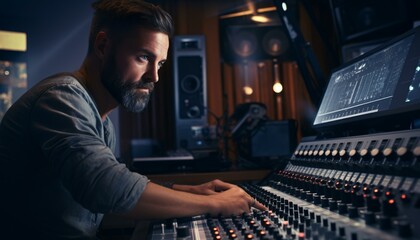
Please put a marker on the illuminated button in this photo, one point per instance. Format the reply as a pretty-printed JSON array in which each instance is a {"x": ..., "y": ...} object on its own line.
[
  {"x": 401, "y": 151},
  {"x": 363, "y": 152},
  {"x": 305, "y": 152},
  {"x": 342, "y": 152},
  {"x": 416, "y": 151},
  {"x": 261, "y": 233},
  {"x": 404, "y": 197},
  {"x": 321, "y": 152},
  {"x": 327, "y": 153},
  {"x": 300, "y": 152},
  {"x": 352, "y": 152},
  {"x": 310, "y": 152},
  {"x": 334, "y": 153},
  {"x": 296, "y": 152},
  {"x": 249, "y": 236},
  {"x": 301, "y": 235},
  {"x": 374, "y": 152},
  {"x": 316, "y": 152},
  {"x": 387, "y": 152}
]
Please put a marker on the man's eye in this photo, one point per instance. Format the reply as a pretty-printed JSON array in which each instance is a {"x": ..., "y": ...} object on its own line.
[{"x": 144, "y": 58}]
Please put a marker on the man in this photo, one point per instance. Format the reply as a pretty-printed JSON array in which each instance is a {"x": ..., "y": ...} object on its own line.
[{"x": 58, "y": 172}]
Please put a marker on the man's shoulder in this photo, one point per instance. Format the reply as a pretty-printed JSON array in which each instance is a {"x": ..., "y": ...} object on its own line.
[
  {"x": 58, "y": 79},
  {"x": 61, "y": 82}
]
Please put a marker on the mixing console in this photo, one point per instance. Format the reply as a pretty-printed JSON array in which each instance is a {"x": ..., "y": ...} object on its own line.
[{"x": 360, "y": 187}]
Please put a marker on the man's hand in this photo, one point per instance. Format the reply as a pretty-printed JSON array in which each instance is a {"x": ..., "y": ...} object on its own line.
[{"x": 235, "y": 198}]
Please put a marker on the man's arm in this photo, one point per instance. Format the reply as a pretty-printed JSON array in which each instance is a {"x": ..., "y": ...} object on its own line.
[
  {"x": 209, "y": 188},
  {"x": 157, "y": 202}
]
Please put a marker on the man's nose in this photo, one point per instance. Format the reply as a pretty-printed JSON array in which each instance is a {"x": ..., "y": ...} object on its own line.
[{"x": 153, "y": 73}]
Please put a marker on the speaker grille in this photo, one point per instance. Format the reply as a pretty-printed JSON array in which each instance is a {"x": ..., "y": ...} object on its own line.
[{"x": 190, "y": 86}]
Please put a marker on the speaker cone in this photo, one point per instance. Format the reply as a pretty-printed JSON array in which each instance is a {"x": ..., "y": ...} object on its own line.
[
  {"x": 244, "y": 43},
  {"x": 190, "y": 84},
  {"x": 275, "y": 43}
]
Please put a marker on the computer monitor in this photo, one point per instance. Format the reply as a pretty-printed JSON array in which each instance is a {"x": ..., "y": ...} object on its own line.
[{"x": 378, "y": 90}]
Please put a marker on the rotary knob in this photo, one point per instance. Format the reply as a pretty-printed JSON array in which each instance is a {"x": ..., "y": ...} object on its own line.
[
  {"x": 401, "y": 151},
  {"x": 363, "y": 152},
  {"x": 387, "y": 152},
  {"x": 374, "y": 152},
  {"x": 342, "y": 153},
  {"x": 416, "y": 151}
]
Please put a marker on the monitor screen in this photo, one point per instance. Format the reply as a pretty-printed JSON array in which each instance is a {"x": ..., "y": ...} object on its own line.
[{"x": 379, "y": 85}]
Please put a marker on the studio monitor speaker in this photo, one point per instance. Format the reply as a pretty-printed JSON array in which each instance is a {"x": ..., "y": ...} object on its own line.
[
  {"x": 361, "y": 20},
  {"x": 242, "y": 39},
  {"x": 254, "y": 43},
  {"x": 190, "y": 89}
]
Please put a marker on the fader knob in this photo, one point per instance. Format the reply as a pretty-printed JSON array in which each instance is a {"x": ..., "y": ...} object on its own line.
[
  {"x": 416, "y": 151},
  {"x": 384, "y": 222},
  {"x": 387, "y": 152},
  {"x": 404, "y": 229},
  {"x": 353, "y": 212},
  {"x": 327, "y": 153},
  {"x": 309, "y": 153},
  {"x": 333, "y": 205},
  {"x": 369, "y": 218},
  {"x": 352, "y": 152},
  {"x": 401, "y": 151},
  {"x": 374, "y": 152},
  {"x": 182, "y": 231},
  {"x": 342, "y": 153},
  {"x": 390, "y": 208},
  {"x": 342, "y": 208},
  {"x": 363, "y": 152}
]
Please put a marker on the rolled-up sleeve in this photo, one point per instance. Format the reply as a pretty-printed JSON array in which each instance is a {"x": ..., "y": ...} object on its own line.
[{"x": 71, "y": 136}]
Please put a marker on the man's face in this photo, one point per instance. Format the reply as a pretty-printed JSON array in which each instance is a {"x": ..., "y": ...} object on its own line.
[{"x": 131, "y": 67}]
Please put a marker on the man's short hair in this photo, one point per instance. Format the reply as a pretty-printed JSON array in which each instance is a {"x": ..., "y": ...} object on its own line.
[{"x": 118, "y": 16}]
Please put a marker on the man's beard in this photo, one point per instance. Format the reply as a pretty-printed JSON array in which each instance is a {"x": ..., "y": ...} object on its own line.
[{"x": 125, "y": 93}]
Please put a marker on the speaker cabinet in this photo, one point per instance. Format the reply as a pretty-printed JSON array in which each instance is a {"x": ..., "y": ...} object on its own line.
[
  {"x": 244, "y": 40},
  {"x": 190, "y": 90},
  {"x": 253, "y": 43},
  {"x": 361, "y": 20}
]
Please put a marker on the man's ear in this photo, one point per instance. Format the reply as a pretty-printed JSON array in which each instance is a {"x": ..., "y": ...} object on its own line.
[{"x": 100, "y": 44}]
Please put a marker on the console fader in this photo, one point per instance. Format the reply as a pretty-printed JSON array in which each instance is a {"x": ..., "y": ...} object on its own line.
[{"x": 360, "y": 187}]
